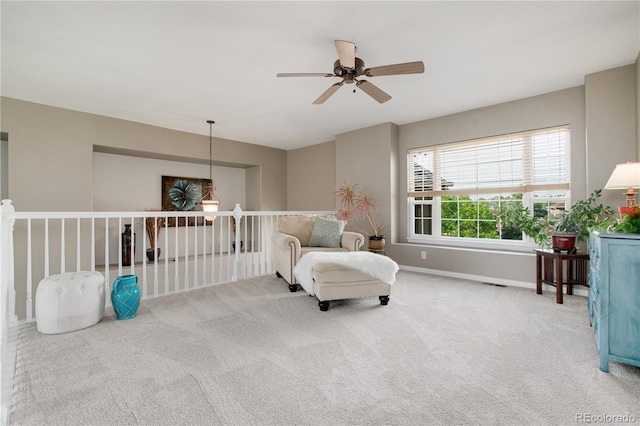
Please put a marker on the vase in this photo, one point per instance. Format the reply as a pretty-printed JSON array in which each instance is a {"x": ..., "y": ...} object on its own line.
[
  {"x": 152, "y": 254},
  {"x": 624, "y": 210},
  {"x": 125, "y": 296},
  {"x": 128, "y": 245},
  {"x": 563, "y": 241},
  {"x": 376, "y": 244}
]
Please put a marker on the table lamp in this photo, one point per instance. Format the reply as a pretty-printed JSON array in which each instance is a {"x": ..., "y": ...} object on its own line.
[{"x": 626, "y": 176}]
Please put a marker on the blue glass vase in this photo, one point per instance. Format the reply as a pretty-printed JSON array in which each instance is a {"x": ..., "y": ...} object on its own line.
[{"x": 125, "y": 296}]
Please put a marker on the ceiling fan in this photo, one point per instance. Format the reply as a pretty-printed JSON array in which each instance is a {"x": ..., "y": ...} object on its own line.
[{"x": 348, "y": 67}]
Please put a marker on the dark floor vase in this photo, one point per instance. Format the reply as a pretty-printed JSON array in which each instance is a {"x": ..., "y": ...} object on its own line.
[
  {"x": 125, "y": 296},
  {"x": 128, "y": 245},
  {"x": 152, "y": 254}
]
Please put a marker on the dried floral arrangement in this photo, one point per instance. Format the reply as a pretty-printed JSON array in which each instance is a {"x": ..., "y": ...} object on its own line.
[
  {"x": 151, "y": 225},
  {"x": 355, "y": 202}
]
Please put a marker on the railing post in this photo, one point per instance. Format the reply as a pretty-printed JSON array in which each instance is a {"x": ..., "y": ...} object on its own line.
[
  {"x": 237, "y": 215},
  {"x": 8, "y": 319},
  {"x": 6, "y": 267}
]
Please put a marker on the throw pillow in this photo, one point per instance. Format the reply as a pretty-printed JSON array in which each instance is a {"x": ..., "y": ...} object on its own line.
[{"x": 327, "y": 233}]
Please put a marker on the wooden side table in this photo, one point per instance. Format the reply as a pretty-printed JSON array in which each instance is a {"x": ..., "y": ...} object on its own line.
[{"x": 550, "y": 270}]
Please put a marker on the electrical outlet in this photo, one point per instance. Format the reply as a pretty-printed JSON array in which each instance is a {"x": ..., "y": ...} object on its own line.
[{"x": 423, "y": 255}]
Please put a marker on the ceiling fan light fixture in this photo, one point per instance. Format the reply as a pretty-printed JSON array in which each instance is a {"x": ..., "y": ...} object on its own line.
[{"x": 346, "y": 52}]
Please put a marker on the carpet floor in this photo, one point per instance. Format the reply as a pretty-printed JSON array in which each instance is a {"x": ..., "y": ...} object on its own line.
[{"x": 444, "y": 351}]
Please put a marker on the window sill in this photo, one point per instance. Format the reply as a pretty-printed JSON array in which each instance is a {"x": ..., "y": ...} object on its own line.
[{"x": 492, "y": 245}]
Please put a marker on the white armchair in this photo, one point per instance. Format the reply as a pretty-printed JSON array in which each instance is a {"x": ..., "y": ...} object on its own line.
[{"x": 295, "y": 236}]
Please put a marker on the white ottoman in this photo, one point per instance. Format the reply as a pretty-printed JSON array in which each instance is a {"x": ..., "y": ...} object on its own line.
[
  {"x": 335, "y": 282},
  {"x": 69, "y": 302}
]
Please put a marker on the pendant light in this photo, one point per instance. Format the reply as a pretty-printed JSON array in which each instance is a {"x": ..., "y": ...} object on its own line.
[{"x": 210, "y": 202}]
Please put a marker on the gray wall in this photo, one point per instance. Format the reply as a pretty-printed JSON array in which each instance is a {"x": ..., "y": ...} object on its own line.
[
  {"x": 368, "y": 157},
  {"x": 310, "y": 172},
  {"x": 610, "y": 106},
  {"x": 638, "y": 108},
  {"x": 51, "y": 152}
]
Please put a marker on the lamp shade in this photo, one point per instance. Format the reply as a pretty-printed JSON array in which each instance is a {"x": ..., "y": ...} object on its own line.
[
  {"x": 210, "y": 206},
  {"x": 626, "y": 175}
]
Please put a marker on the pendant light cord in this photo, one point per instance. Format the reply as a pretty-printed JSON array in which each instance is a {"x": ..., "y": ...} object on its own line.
[{"x": 211, "y": 123}]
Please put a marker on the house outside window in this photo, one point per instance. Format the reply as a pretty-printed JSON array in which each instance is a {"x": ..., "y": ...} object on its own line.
[{"x": 456, "y": 190}]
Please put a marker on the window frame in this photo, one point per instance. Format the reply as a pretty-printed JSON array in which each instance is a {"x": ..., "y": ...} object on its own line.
[{"x": 527, "y": 188}]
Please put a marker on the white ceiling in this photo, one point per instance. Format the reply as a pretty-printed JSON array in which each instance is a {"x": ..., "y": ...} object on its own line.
[{"x": 178, "y": 64}]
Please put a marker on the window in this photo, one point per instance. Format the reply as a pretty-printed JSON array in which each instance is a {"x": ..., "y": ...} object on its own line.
[{"x": 456, "y": 190}]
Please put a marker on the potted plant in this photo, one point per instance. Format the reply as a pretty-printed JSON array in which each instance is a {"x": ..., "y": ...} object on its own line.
[
  {"x": 355, "y": 202},
  {"x": 151, "y": 225},
  {"x": 560, "y": 231}
]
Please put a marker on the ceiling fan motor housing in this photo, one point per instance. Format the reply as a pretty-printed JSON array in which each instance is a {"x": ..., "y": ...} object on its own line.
[{"x": 341, "y": 71}]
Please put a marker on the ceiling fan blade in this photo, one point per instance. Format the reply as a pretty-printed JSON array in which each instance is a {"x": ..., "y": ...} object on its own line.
[
  {"x": 327, "y": 94},
  {"x": 374, "y": 91},
  {"x": 396, "y": 69},
  {"x": 305, "y": 74},
  {"x": 346, "y": 53}
]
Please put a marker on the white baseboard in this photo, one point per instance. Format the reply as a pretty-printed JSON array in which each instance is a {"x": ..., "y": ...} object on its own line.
[{"x": 577, "y": 290}]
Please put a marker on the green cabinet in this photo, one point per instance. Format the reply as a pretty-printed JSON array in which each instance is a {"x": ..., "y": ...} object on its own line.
[{"x": 614, "y": 298}]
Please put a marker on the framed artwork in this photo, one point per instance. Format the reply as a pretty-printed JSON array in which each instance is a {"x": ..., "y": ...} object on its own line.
[{"x": 183, "y": 194}]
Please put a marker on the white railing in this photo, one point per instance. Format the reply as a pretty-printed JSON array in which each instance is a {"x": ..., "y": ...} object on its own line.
[{"x": 195, "y": 254}]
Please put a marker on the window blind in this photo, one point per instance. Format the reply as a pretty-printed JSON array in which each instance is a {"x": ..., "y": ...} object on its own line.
[{"x": 528, "y": 161}]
